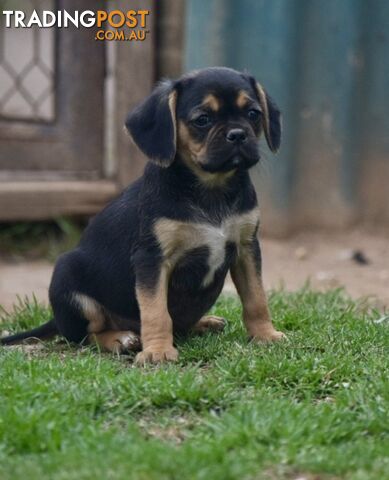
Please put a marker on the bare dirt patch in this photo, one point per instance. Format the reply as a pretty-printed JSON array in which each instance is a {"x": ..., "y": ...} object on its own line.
[{"x": 326, "y": 260}]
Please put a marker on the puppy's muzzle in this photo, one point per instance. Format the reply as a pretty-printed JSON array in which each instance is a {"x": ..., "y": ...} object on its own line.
[{"x": 236, "y": 136}]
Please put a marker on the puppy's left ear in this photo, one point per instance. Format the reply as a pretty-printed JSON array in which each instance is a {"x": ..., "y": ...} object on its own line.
[
  {"x": 152, "y": 125},
  {"x": 271, "y": 116}
]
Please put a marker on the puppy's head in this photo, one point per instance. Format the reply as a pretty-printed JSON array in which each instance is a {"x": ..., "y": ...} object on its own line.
[{"x": 211, "y": 119}]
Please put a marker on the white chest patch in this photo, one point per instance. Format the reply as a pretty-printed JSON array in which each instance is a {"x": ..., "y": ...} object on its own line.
[{"x": 177, "y": 237}]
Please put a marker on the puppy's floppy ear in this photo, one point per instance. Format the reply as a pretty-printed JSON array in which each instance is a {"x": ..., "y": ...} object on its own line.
[
  {"x": 271, "y": 116},
  {"x": 152, "y": 125}
]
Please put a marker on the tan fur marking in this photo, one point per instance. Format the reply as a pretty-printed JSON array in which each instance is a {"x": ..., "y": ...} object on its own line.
[
  {"x": 172, "y": 102},
  {"x": 249, "y": 285},
  {"x": 193, "y": 154},
  {"x": 211, "y": 102},
  {"x": 92, "y": 311},
  {"x": 242, "y": 99},
  {"x": 116, "y": 341},
  {"x": 177, "y": 237},
  {"x": 187, "y": 145},
  {"x": 211, "y": 180},
  {"x": 156, "y": 324}
]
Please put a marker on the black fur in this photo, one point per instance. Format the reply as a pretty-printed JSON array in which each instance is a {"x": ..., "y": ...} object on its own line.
[
  {"x": 118, "y": 248},
  {"x": 152, "y": 127},
  {"x": 275, "y": 124}
]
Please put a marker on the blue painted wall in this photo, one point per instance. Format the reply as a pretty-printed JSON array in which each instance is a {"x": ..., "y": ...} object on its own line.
[{"x": 326, "y": 63}]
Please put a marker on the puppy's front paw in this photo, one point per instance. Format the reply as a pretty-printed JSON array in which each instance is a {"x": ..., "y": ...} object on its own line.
[
  {"x": 157, "y": 355},
  {"x": 267, "y": 335}
]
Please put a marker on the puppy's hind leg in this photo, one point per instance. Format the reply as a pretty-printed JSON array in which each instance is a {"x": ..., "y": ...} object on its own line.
[
  {"x": 77, "y": 315},
  {"x": 101, "y": 328},
  {"x": 70, "y": 321}
]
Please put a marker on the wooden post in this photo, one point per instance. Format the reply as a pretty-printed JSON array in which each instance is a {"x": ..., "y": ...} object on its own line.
[{"x": 135, "y": 76}]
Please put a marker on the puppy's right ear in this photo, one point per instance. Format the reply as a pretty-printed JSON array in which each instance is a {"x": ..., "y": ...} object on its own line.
[{"x": 152, "y": 125}]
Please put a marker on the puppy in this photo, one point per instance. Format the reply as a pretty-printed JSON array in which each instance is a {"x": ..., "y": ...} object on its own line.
[{"x": 154, "y": 261}]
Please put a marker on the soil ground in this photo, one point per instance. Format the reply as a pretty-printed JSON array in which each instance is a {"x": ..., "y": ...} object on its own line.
[{"x": 324, "y": 259}]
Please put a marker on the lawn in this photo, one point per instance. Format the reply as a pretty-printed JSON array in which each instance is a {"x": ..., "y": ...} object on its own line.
[{"x": 313, "y": 407}]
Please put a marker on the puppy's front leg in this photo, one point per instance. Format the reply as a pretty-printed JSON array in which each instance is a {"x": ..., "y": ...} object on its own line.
[
  {"x": 156, "y": 324},
  {"x": 246, "y": 275}
]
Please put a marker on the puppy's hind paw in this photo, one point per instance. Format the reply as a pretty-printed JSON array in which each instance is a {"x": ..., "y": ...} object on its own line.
[
  {"x": 116, "y": 341},
  {"x": 210, "y": 323}
]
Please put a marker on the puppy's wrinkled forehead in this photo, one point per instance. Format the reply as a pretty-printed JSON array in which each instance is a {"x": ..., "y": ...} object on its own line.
[{"x": 215, "y": 89}]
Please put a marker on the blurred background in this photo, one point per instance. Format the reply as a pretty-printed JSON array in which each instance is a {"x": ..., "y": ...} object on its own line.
[{"x": 324, "y": 196}]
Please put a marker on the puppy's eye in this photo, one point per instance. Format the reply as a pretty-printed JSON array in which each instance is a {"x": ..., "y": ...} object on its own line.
[
  {"x": 254, "y": 115},
  {"x": 202, "y": 121}
]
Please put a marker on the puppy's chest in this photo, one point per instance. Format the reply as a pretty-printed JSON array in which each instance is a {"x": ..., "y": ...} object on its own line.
[{"x": 178, "y": 238}]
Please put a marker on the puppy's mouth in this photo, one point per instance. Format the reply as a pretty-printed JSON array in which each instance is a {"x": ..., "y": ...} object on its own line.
[{"x": 237, "y": 159}]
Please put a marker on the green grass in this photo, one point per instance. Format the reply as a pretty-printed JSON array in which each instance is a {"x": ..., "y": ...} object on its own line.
[{"x": 315, "y": 406}]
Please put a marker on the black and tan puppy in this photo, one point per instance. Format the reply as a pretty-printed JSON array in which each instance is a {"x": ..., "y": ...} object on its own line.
[{"x": 154, "y": 261}]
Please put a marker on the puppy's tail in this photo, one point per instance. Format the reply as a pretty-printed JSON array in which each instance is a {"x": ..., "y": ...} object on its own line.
[{"x": 44, "y": 332}]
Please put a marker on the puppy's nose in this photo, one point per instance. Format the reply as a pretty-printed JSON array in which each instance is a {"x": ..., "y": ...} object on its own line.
[{"x": 236, "y": 135}]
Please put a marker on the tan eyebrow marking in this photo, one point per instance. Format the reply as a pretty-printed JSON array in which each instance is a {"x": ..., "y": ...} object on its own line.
[
  {"x": 212, "y": 102},
  {"x": 242, "y": 99}
]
